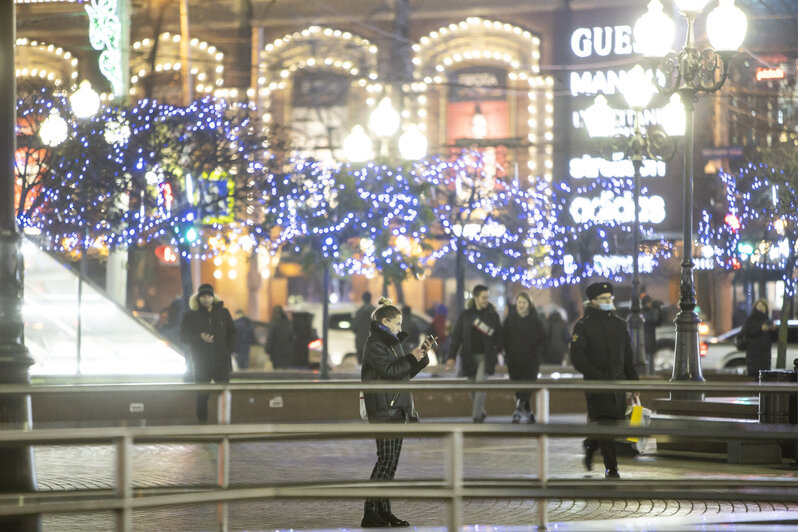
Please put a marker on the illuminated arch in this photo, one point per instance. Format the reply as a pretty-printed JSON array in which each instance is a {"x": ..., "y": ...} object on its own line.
[
  {"x": 207, "y": 66},
  {"x": 319, "y": 49},
  {"x": 488, "y": 42},
  {"x": 46, "y": 61}
]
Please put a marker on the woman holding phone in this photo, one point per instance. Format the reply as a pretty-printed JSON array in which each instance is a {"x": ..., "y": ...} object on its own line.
[{"x": 384, "y": 360}]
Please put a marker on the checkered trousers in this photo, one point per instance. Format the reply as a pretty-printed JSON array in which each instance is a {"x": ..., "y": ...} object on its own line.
[{"x": 387, "y": 459}]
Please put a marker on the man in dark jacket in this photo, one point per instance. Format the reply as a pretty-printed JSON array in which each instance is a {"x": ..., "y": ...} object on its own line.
[
  {"x": 384, "y": 360},
  {"x": 601, "y": 349},
  {"x": 210, "y": 333},
  {"x": 477, "y": 339}
]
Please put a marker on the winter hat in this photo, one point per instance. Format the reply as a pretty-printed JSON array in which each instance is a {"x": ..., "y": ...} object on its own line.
[
  {"x": 596, "y": 289},
  {"x": 204, "y": 289}
]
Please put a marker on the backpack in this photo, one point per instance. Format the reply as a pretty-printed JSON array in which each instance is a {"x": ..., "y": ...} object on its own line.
[{"x": 741, "y": 341}]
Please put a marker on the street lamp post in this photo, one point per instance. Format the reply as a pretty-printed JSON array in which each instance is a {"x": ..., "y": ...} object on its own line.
[
  {"x": 653, "y": 144},
  {"x": 688, "y": 73},
  {"x": 16, "y": 462}
]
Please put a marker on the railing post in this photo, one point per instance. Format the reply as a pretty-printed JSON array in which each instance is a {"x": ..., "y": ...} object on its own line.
[
  {"x": 542, "y": 407},
  {"x": 223, "y": 416},
  {"x": 454, "y": 479},
  {"x": 124, "y": 490}
]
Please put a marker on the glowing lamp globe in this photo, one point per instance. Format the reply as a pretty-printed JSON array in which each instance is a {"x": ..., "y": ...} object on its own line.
[
  {"x": 726, "y": 26},
  {"x": 357, "y": 146},
  {"x": 85, "y": 101},
  {"x": 654, "y": 31},
  {"x": 384, "y": 120},
  {"x": 54, "y": 129},
  {"x": 637, "y": 88},
  {"x": 412, "y": 144},
  {"x": 673, "y": 117},
  {"x": 599, "y": 118}
]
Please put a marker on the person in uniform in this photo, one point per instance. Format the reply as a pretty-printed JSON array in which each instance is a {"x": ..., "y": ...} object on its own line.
[{"x": 601, "y": 349}]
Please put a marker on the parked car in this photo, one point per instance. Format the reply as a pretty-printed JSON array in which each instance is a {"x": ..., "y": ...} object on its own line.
[
  {"x": 341, "y": 337},
  {"x": 721, "y": 354}
]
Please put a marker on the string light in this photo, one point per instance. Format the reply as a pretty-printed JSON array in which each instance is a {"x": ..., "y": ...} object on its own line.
[{"x": 760, "y": 227}]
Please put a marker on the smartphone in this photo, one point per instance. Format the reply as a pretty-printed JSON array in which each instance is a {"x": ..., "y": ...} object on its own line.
[{"x": 432, "y": 340}]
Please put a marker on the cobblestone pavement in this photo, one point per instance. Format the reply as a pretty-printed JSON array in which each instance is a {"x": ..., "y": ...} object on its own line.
[{"x": 256, "y": 463}]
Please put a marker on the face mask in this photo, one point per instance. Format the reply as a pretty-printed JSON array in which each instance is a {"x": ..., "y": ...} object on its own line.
[{"x": 606, "y": 306}]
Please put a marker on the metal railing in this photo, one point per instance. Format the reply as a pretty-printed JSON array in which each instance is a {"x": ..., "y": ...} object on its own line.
[{"x": 453, "y": 488}]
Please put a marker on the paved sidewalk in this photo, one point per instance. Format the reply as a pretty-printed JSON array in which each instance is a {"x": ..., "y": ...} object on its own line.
[{"x": 92, "y": 466}]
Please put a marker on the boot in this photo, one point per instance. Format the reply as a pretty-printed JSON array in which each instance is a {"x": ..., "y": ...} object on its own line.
[
  {"x": 394, "y": 521},
  {"x": 373, "y": 519}
]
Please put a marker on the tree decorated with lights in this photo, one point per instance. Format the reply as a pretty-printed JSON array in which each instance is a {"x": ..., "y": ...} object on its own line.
[
  {"x": 760, "y": 227},
  {"x": 487, "y": 220},
  {"x": 394, "y": 223},
  {"x": 151, "y": 172},
  {"x": 66, "y": 189},
  {"x": 348, "y": 220}
]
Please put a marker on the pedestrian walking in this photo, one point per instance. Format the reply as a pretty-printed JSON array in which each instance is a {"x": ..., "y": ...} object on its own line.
[
  {"x": 652, "y": 318},
  {"x": 210, "y": 333},
  {"x": 361, "y": 324},
  {"x": 524, "y": 340},
  {"x": 384, "y": 360},
  {"x": 245, "y": 337},
  {"x": 557, "y": 340},
  {"x": 409, "y": 326},
  {"x": 438, "y": 328},
  {"x": 476, "y": 339},
  {"x": 280, "y": 339},
  {"x": 756, "y": 330},
  {"x": 601, "y": 349}
]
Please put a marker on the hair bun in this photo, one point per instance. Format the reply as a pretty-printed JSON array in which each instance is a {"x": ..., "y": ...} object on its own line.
[{"x": 385, "y": 302}]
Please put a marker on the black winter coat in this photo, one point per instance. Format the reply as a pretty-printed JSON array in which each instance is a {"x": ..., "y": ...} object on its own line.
[
  {"x": 280, "y": 343},
  {"x": 461, "y": 338},
  {"x": 601, "y": 349},
  {"x": 524, "y": 341},
  {"x": 216, "y": 321},
  {"x": 760, "y": 342},
  {"x": 558, "y": 339},
  {"x": 384, "y": 360}
]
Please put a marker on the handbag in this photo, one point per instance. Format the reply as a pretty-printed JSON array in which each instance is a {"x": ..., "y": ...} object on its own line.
[
  {"x": 741, "y": 341},
  {"x": 639, "y": 417},
  {"x": 364, "y": 415}
]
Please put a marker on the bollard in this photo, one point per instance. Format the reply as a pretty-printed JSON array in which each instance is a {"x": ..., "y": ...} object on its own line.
[{"x": 774, "y": 407}]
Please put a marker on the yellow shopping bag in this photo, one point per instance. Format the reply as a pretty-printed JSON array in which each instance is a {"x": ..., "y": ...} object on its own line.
[{"x": 636, "y": 419}]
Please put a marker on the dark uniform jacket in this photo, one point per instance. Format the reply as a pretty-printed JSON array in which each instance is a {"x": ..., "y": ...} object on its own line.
[
  {"x": 461, "y": 338},
  {"x": 213, "y": 357},
  {"x": 384, "y": 360},
  {"x": 524, "y": 341},
  {"x": 601, "y": 349}
]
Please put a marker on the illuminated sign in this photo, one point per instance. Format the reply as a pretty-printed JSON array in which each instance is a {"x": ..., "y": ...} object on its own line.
[
  {"x": 593, "y": 167},
  {"x": 608, "y": 208},
  {"x": 602, "y": 41},
  {"x": 609, "y": 265},
  {"x": 769, "y": 73}
]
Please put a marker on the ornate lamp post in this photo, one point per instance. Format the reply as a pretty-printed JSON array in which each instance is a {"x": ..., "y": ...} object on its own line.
[
  {"x": 689, "y": 72},
  {"x": 653, "y": 144},
  {"x": 16, "y": 462}
]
